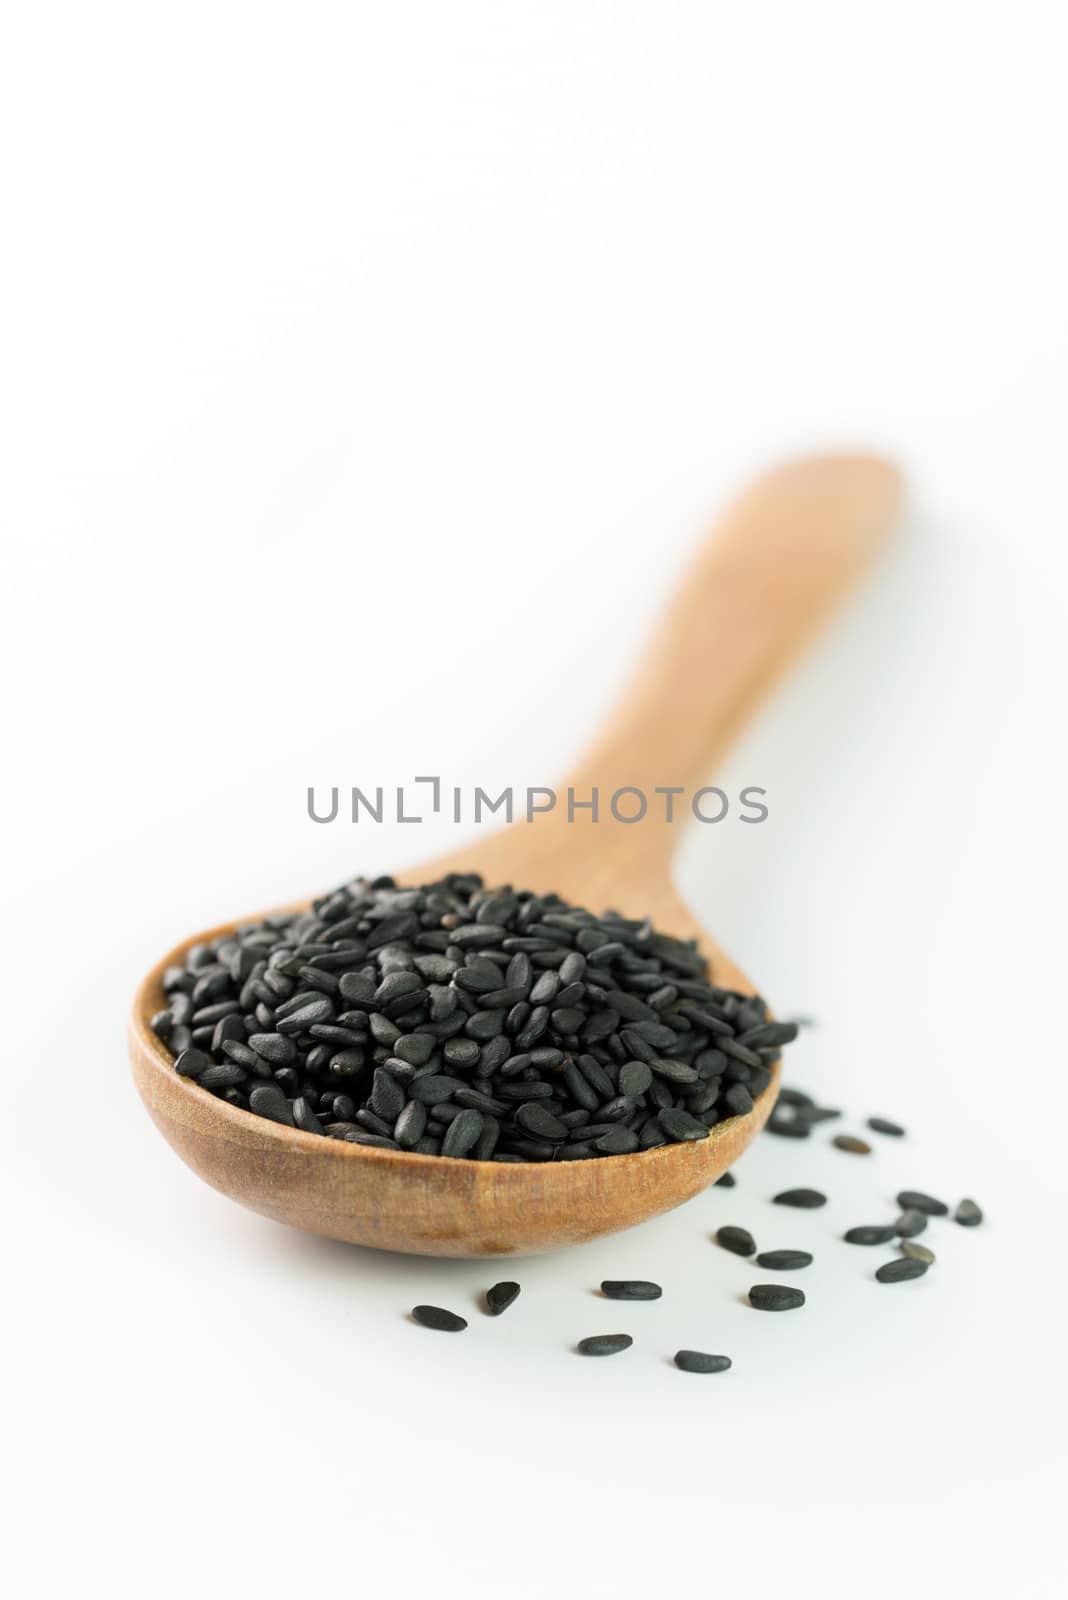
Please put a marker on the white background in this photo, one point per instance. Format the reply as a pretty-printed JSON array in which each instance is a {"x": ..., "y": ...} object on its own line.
[{"x": 368, "y": 372}]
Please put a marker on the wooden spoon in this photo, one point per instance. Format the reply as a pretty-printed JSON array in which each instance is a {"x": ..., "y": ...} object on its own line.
[{"x": 783, "y": 555}]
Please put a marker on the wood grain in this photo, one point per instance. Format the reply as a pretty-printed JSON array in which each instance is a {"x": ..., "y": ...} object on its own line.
[{"x": 782, "y": 558}]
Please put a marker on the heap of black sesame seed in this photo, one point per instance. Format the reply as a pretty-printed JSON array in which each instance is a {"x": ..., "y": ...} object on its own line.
[{"x": 454, "y": 1020}]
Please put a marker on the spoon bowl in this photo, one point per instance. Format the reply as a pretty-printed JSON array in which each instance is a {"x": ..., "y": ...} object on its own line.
[
  {"x": 396, "y": 1200},
  {"x": 783, "y": 555}
]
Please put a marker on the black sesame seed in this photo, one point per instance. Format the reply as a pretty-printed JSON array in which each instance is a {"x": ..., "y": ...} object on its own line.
[
  {"x": 267, "y": 1100},
  {"x": 532, "y": 1149},
  {"x": 680, "y": 1126},
  {"x": 893, "y": 1130},
  {"x": 315, "y": 1009},
  {"x": 917, "y": 1252},
  {"x": 605, "y": 1344},
  {"x": 805, "y": 1199},
  {"x": 383, "y": 1031},
  {"x": 770, "y": 1033},
  {"x": 493, "y": 1054},
  {"x": 900, "y": 1271},
  {"x": 224, "y": 1011},
  {"x": 193, "y": 1064},
  {"x": 916, "y": 1200},
  {"x": 784, "y": 1260},
  {"x": 410, "y": 1125},
  {"x": 525, "y": 1089},
  {"x": 634, "y": 1078},
  {"x": 855, "y": 1147},
  {"x": 630, "y": 1289},
  {"x": 581, "y": 1092},
  {"x": 374, "y": 1124},
  {"x": 500, "y": 1297},
  {"x": 463, "y": 1134},
  {"x": 698, "y": 1361},
  {"x": 546, "y": 1059},
  {"x": 596, "y": 1076},
  {"x": 534, "y": 1119},
  {"x": 674, "y": 1071},
  {"x": 461, "y": 1052},
  {"x": 738, "y": 1100},
  {"x": 479, "y": 1101},
  {"x": 739, "y": 1241},
  {"x": 478, "y": 936},
  {"x": 487, "y": 1139},
  {"x": 968, "y": 1214},
  {"x": 877, "y": 1233},
  {"x": 435, "y": 1088},
  {"x": 304, "y": 1117},
  {"x": 758, "y": 1080},
  {"x": 222, "y": 1075},
  {"x": 387, "y": 1096},
  {"x": 273, "y": 1047},
  {"x": 910, "y": 1223},
  {"x": 617, "y": 1142},
  {"x": 357, "y": 988},
  {"x": 660, "y": 1095},
  {"x": 775, "y": 1297},
  {"x": 417, "y": 1048},
  {"x": 436, "y": 1317}
]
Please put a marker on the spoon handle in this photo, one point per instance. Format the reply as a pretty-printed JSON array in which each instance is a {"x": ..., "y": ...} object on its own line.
[{"x": 780, "y": 559}]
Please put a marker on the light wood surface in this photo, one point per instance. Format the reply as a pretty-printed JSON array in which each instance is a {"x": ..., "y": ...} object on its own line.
[{"x": 781, "y": 559}]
